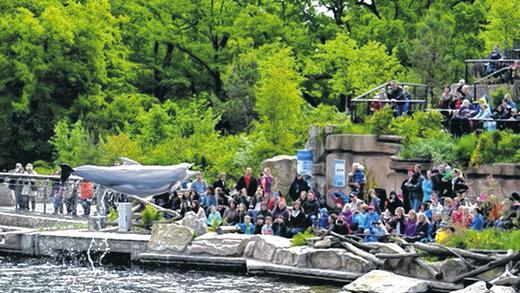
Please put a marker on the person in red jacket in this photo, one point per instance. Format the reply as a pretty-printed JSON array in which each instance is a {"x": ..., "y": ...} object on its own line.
[{"x": 86, "y": 190}]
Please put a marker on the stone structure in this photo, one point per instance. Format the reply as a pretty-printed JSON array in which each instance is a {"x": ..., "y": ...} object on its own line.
[
  {"x": 170, "y": 237},
  {"x": 383, "y": 282},
  {"x": 379, "y": 155},
  {"x": 6, "y": 196},
  {"x": 198, "y": 225},
  {"x": 284, "y": 169}
]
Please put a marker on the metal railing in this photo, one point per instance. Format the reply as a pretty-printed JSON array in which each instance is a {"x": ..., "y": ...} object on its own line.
[
  {"x": 478, "y": 67},
  {"x": 418, "y": 91}
]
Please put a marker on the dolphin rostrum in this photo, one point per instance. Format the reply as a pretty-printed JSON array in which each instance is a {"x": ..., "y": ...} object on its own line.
[{"x": 133, "y": 178}]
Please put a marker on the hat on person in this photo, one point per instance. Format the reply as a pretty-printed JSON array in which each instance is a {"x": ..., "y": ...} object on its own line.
[
  {"x": 371, "y": 207},
  {"x": 323, "y": 210},
  {"x": 482, "y": 100},
  {"x": 444, "y": 224},
  {"x": 260, "y": 217}
]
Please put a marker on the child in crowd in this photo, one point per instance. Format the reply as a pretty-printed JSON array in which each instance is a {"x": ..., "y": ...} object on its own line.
[
  {"x": 267, "y": 229},
  {"x": 324, "y": 219},
  {"x": 247, "y": 227},
  {"x": 259, "y": 224}
]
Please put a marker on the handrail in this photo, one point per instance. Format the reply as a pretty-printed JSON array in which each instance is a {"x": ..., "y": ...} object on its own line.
[
  {"x": 386, "y": 84},
  {"x": 389, "y": 101},
  {"x": 36, "y": 176},
  {"x": 490, "y": 75},
  {"x": 489, "y": 60}
]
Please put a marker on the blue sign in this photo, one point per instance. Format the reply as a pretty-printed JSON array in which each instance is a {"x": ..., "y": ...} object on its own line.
[
  {"x": 338, "y": 174},
  {"x": 304, "y": 159}
]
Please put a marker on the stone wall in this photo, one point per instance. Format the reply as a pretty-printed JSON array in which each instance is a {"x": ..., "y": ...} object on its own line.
[
  {"x": 378, "y": 154},
  {"x": 283, "y": 169}
]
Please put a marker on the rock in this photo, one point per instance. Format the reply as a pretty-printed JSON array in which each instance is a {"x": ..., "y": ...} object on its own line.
[
  {"x": 325, "y": 243},
  {"x": 391, "y": 248},
  {"x": 6, "y": 196},
  {"x": 294, "y": 256},
  {"x": 220, "y": 245},
  {"x": 283, "y": 168},
  {"x": 170, "y": 237},
  {"x": 198, "y": 225},
  {"x": 480, "y": 287},
  {"x": 335, "y": 259},
  {"x": 453, "y": 268},
  {"x": 383, "y": 282},
  {"x": 265, "y": 246}
]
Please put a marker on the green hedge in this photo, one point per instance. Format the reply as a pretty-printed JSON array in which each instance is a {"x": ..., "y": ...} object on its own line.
[{"x": 486, "y": 239}]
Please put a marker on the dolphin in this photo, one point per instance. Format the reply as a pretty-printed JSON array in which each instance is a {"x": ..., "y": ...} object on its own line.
[{"x": 133, "y": 178}]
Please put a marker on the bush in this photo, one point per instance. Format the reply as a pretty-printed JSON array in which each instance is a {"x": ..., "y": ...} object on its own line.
[
  {"x": 486, "y": 239},
  {"x": 496, "y": 146},
  {"x": 464, "y": 147},
  {"x": 379, "y": 122},
  {"x": 498, "y": 94},
  {"x": 149, "y": 215},
  {"x": 439, "y": 148},
  {"x": 300, "y": 239}
]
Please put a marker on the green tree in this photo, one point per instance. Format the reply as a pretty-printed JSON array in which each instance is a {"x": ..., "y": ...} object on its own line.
[{"x": 502, "y": 27}]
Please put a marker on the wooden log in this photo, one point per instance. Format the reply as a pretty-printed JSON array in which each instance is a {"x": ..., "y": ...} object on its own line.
[
  {"x": 436, "y": 249},
  {"x": 352, "y": 241},
  {"x": 488, "y": 266},
  {"x": 227, "y": 229},
  {"x": 363, "y": 254},
  {"x": 489, "y": 251},
  {"x": 397, "y": 255},
  {"x": 175, "y": 215}
]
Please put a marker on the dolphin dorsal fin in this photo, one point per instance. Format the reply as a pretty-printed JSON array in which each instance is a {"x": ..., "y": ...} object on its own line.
[{"x": 128, "y": 162}]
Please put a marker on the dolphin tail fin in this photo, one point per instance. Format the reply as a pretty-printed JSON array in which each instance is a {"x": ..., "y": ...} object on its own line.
[{"x": 66, "y": 170}]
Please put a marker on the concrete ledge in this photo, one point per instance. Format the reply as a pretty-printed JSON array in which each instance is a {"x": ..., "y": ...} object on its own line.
[
  {"x": 405, "y": 164},
  {"x": 502, "y": 169},
  {"x": 181, "y": 259},
  {"x": 360, "y": 143},
  {"x": 34, "y": 221},
  {"x": 258, "y": 267}
]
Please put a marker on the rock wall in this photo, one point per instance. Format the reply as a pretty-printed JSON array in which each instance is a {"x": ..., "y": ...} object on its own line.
[
  {"x": 378, "y": 154},
  {"x": 283, "y": 169},
  {"x": 6, "y": 196}
]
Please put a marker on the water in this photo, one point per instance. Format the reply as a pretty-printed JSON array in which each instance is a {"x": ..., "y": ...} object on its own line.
[{"x": 20, "y": 274}]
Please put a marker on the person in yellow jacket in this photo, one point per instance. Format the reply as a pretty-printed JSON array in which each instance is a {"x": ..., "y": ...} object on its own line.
[{"x": 443, "y": 234}]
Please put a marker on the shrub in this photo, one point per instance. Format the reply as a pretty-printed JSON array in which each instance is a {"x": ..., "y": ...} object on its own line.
[
  {"x": 300, "y": 239},
  {"x": 439, "y": 148},
  {"x": 486, "y": 239},
  {"x": 464, "y": 147},
  {"x": 498, "y": 94},
  {"x": 379, "y": 122},
  {"x": 496, "y": 146},
  {"x": 149, "y": 215},
  {"x": 112, "y": 214}
]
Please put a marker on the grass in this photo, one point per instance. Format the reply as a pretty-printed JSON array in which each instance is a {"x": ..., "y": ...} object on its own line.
[{"x": 486, "y": 239}]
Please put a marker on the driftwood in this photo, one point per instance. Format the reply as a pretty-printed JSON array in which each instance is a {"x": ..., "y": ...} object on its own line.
[
  {"x": 435, "y": 249},
  {"x": 363, "y": 254},
  {"x": 344, "y": 238},
  {"x": 488, "y": 266},
  {"x": 175, "y": 215},
  {"x": 434, "y": 272},
  {"x": 227, "y": 229},
  {"x": 397, "y": 255}
]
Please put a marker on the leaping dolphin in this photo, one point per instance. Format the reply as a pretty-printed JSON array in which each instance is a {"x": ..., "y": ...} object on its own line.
[{"x": 133, "y": 178}]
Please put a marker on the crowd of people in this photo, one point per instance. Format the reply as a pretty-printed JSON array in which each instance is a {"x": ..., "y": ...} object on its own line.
[{"x": 429, "y": 205}]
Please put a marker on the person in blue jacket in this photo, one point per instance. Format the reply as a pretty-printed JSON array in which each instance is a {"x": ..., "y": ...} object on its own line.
[
  {"x": 371, "y": 217},
  {"x": 247, "y": 227},
  {"x": 478, "y": 220},
  {"x": 324, "y": 219}
]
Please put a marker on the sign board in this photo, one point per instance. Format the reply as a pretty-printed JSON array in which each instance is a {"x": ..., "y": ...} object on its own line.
[
  {"x": 304, "y": 159},
  {"x": 338, "y": 175}
]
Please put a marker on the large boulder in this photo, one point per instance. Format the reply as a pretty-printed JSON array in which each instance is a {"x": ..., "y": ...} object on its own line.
[
  {"x": 6, "y": 196},
  {"x": 294, "y": 256},
  {"x": 390, "y": 248},
  {"x": 220, "y": 245},
  {"x": 265, "y": 247},
  {"x": 335, "y": 259},
  {"x": 199, "y": 225},
  {"x": 283, "y": 169},
  {"x": 452, "y": 269},
  {"x": 170, "y": 237},
  {"x": 480, "y": 287},
  {"x": 383, "y": 282}
]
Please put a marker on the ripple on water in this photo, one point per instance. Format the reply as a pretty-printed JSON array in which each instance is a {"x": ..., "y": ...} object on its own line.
[{"x": 41, "y": 275}]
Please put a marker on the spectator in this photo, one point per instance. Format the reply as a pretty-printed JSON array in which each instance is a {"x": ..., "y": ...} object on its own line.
[
  {"x": 427, "y": 186},
  {"x": 242, "y": 212},
  {"x": 434, "y": 226},
  {"x": 210, "y": 199},
  {"x": 485, "y": 114},
  {"x": 478, "y": 221},
  {"x": 407, "y": 98},
  {"x": 297, "y": 220},
  {"x": 222, "y": 201},
  {"x": 458, "y": 184},
  {"x": 395, "y": 94},
  {"x": 421, "y": 229},
  {"x": 393, "y": 202},
  {"x": 371, "y": 217},
  {"x": 259, "y": 224},
  {"x": 279, "y": 227},
  {"x": 264, "y": 211},
  {"x": 298, "y": 185},
  {"x": 267, "y": 229},
  {"x": 17, "y": 185},
  {"x": 462, "y": 217},
  {"x": 247, "y": 227},
  {"x": 257, "y": 200},
  {"x": 414, "y": 187},
  {"x": 199, "y": 185},
  {"x": 242, "y": 197},
  {"x": 460, "y": 124},
  {"x": 359, "y": 219},
  {"x": 311, "y": 208},
  {"x": 410, "y": 224},
  {"x": 494, "y": 55},
  {"x": 248, "y": 181},
  {"x": 231, "y": 214},
  {"x": 338, "y": 225},
  {"x": 443, "y": 234},
  {"x": 374, "y": 201},
  {"x": 198, "y": 210},
  {"x": 267, "y": 181},
  {"x": 509, "y": 102},
  {"x": 324, "y": 219},
  {"x": 281, "y": 210},
  {"x": 356, "y": 179},
  {"x": 30, "y": 189},
  {"x": 303, "y": 197},
  {"x": 374, "y": 232},
  {"x": 221, "y": 183},
  {"x": 346, "y": 214},
  {"x": 405, "y": 190},
  {"x": 214, "y": 217},
  {"x": 86, "y": 190}
]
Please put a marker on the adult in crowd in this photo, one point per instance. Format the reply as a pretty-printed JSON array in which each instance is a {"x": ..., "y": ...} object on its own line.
[
  {"x": 16, "y": 185},
  {"x": 29, "y": 190},
  {"x": 357, "y": 179},
  {"x": 298, "y": 185},
  {"x": 221, "y": 183},
  {"x": 395, "y": 93},
  {"x": 311, "y": 208},
  {"x": 393, "y": 202},
  {"x": 267, "y": 182},
  {"x": 297, "y": 220},
  {"x": 247, "y": 181},
  {"x": 86, "y": 190},
  {"x": 414, "y": 188},
  {"x": 199, "y": 185},
  {"x": 231, "y": 214}
]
